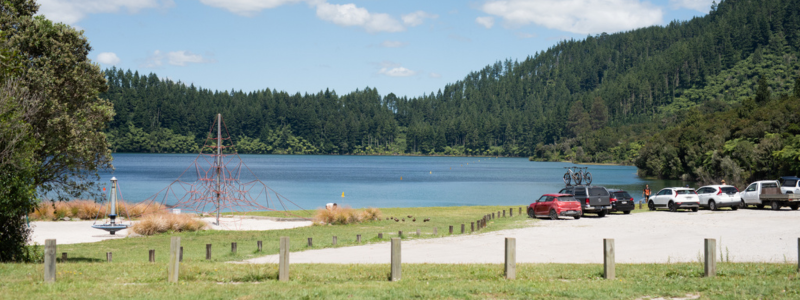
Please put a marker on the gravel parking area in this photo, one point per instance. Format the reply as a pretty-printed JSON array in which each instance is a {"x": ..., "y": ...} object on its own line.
[{"x": 654, "y": 237}]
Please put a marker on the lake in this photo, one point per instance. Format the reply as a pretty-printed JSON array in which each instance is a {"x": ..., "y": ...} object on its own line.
[{"x": 375, "y": 181}]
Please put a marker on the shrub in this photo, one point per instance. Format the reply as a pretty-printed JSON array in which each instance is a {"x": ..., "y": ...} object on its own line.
[
  {"x": 163, "y": 222},
  {"x": 345, "y": 215},
  {"x": 89, "y": 210}
]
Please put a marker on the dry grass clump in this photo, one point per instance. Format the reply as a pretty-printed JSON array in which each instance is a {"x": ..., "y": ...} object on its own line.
[
  {"x": 89, "y": 210},
  {"x": 163, "y": 222},
  {"x": 345, "y": 215}
]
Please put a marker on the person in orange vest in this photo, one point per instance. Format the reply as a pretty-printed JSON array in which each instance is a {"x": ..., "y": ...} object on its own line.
[{"x": 645, "y": 194}]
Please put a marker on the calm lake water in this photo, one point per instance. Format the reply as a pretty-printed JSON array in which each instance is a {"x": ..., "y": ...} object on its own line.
[{"x": 375, "y": 181}]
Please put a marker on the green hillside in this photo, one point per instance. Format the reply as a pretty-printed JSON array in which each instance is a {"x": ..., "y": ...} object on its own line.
[{"x": 600, "y": 99}]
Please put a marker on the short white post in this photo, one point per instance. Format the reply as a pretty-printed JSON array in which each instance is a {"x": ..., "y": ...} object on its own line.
[
  {"x": 711, "y": 260},
  {"x": 50, "y": 261},
  {"x": 511, "y": 258},
  {"x": 395, "y": 259},
  {"x": 609, "y": 265},
  {"x": 174, "y": 260},
  {"x": 283, "y": 260}
]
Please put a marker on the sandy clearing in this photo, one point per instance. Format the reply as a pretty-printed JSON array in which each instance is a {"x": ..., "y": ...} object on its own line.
[
  {"x": 74, "y": 232},
  {"x": 660, "y": 237}
]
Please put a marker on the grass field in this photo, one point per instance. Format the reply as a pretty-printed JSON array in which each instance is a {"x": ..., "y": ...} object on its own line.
[
  {"x": 217, "y": 280},
  {"x": 194, "y": 243}
]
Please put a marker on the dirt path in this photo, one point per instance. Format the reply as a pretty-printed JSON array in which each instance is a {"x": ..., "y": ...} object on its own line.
[{"x": 659, "y": 237}]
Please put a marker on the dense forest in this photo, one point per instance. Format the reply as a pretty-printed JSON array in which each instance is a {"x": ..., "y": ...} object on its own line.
[{"x": 606, "y": 98}]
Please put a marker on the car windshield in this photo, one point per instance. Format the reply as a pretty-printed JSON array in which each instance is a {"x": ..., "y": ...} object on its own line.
[
  {"x": 729, "y": 190},
  {"x": 622, "y": 195},
  {"x": 580, "y": 192},
  {"x": 565, "y": 199},
  {"x": 598, "y": 191},
  {"x": 685, "y": 192}
]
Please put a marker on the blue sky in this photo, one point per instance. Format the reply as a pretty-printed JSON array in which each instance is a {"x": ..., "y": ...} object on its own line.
[{"x": 406, "y": 47}]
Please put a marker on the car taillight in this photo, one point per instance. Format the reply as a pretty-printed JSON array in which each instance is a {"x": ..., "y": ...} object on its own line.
[
  {"x": 720, "y": 192},
  {"x": 737, "y": 189},
  {"x": 676, "y": 193},
  {"x": 631, "y": 199},
  {"x": 587, "y": 201},
  {"x": 613, "y": 199}
]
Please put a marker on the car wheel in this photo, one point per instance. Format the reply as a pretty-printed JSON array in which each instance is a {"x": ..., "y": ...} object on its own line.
[
  {"x": 760, "y": 206},
  {"x": 776, "y": 205},
  {"x": 672, "y": 207},
  {"x": 577, "y": 217},
  {"x": 734, "y": 207},
  {"x": 530, "y": 213},
  {"x": 793, "y": 206},
  {"x": 553, "y": 215},
  {"x": 651, "y": 206},
  {"x": 627, "y": 212},
  {"x": 742, "y": 204},
  {"x": 602, "y": 213},
  {"x": 712, "y": 205},
  {"x": 694, "y": 209}
]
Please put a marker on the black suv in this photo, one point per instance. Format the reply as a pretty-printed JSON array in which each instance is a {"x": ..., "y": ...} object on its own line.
[
  {"x": 621, "y": 201},
  {"x": 593, "y": 199}
]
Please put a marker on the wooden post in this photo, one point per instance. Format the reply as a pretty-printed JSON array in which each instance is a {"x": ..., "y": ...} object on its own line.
[
  {"x": 462, "y": 228},
  {"x": 283, "y": 259},
  {"x": 310, "y": 244},
  {"x": 609, "y": 264},
  {"x": 174, "y": 265},
  {"x": 511, "y": 258},
  {"x": 510, "y": 212},
  {"x": 259, "y": 244},
  {"x": 472, "y": 227},
  {"x": 208, "y": 251},
  {"x": 180, "y": 257},
  {"x": 451, "y": 232},
  {"x": 49, "y": 261},
  {"x": 395, "y": 259},
  {"x": 64, "y": 257},
  {"x": 520, "y": 211},
  {"x": 504, "y": 213},
  {"x": 435, "y": 230},
  {"x": 109, "y": 256},
  {"x": 400, "y": 234},
  {"x": 233, "y": 248},
  {"x": 711, "y": 260},
  {"x": 380, "y": 235},
  {"x": 418, "y": 232},
  {"x": 152, "y": 255},
  {"x": 358, "y": 238},
  {"x": 493, "y": 216},
  {"x": 334, "y": 240}
]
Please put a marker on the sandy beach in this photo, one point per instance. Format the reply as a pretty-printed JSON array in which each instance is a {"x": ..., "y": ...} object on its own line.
[{"x": 659, "y": 237}]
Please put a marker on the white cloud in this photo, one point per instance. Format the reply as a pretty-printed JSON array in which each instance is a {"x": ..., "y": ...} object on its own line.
[
  {"x": 397, "y": 72},
  {"x": 577, "y": 16},
  {"x": 435, "y": 75},
  {"x": 72, "y": 11},
  {"x": 108, "y": 58},
  {"x": 417, "y": 18},
  {"x": 703, "y": 6},
  {"x": 487, "y": 22},
  {"x": 351, "y": 15},
  {"x": 175, "y": 58},
  {"x": 247, "y": 7},
  {"x": 393, "y": 44}
]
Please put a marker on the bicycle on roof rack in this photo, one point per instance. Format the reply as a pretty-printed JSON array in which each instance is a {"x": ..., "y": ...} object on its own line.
[{"x": 577, "y": 175}]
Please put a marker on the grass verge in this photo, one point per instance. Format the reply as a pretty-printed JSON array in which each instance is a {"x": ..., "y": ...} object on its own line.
[
  {"x": 215, "y": 280},
  {"x": 194, "y": 243}
]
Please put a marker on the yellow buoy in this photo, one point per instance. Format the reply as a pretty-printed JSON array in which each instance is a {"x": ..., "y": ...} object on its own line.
[
  {"x": 342, "y": 194},
  {"x": 401, "y": 177},
  {"x": 430, "y": 172}
]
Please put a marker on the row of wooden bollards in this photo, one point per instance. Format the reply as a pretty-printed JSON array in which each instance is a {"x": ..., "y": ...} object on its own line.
[{"x": 510, "y": 265}]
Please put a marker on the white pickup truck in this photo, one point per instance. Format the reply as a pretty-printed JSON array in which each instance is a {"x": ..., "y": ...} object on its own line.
[{"x": 768, "y": 192}]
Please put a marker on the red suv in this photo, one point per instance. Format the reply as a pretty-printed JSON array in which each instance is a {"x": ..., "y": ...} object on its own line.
[{"x": 555, "y": 205}]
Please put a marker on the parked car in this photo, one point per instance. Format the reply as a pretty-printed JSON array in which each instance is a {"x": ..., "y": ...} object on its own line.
[
  {"x": 768, "y": 192},
  {"x": 790, "y": 185},
  {"x": 675, "y": 198},
  {"x": 715, "y": 196},
  {"x": 621, "y": 201},
  {"x": 593, "y": 199},
  {"x": 555, "y": 205}
]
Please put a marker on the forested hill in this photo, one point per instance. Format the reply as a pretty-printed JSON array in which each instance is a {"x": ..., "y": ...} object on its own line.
[{"x": 594, "y": 100}]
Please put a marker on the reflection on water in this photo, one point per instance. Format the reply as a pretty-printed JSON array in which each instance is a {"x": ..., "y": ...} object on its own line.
[{"x": 383, "y": 181}]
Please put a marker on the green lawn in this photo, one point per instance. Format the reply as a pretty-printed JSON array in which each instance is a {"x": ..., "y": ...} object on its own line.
[
  {"x": 217, "y": 280},
  {"x": 194, "y": 243}
]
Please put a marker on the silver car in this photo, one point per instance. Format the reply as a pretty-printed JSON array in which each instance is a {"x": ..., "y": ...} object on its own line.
[{"x": 716, "y": 196}]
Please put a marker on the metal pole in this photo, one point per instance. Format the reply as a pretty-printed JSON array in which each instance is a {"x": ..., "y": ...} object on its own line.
[
  {"x": 113, "y": 214},
  {"x": 219, "y": 162}
]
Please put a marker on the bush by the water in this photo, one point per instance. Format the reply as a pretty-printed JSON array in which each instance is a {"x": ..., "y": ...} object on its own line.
[
  {"x": 88, "y": 210},
  {"x": 345, "y": 215},
  {"x": 163, "y": 222}
]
